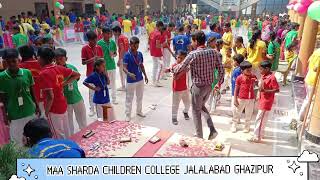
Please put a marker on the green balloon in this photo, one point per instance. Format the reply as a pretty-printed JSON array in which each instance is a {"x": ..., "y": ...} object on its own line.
[
  {"x": 57, "y": 4},
  {"x": 314, "y": 11},
  {"x": 97, "y": 6}
]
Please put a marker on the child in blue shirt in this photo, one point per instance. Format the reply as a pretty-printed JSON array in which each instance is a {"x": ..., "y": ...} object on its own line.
[
  {"x": 99, "y": 81},
  {"x": 181, "y": 41},
  {"x": 237, "y": 60},
  {"x": 134, "y": 68}
]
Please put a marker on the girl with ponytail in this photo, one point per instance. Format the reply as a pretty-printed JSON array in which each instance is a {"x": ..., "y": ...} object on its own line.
[{"x": 256, "y": 51}]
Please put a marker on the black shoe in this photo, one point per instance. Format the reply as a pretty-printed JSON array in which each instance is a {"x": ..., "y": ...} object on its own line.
[
  {"x": 213, "y": 133},
  {"x": 174, "y": 121},
  {"x": 186, "y": 116}
]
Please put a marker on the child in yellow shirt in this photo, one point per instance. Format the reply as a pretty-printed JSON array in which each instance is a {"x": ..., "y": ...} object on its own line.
[
  {"x": 227, "y": 38},
  {"x": 239, "y": 47},
  {"x": 290, "y": 56},
  {"x": 227, "y": 64}
]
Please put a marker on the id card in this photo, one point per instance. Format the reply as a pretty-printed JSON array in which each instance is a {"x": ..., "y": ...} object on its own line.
[
  {"x": 104, "y": 93},
  {"x": 70, "y": 87},
  {"x": 20, "y": 101}
]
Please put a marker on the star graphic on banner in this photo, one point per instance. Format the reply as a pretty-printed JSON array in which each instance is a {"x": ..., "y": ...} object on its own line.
[
  {"x": 294, "y": 166},
  {"x": 29, "y": 170}
]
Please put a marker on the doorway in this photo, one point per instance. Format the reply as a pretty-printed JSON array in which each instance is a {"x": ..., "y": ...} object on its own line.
[{"x": 41, "y": 10}]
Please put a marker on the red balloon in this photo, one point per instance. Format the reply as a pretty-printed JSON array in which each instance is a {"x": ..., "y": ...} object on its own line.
[
  {"x": 60, "y": 1},
  {"x": 98, "y": 1}
]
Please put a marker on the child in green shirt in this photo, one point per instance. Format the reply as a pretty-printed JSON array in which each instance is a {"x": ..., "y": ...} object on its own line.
[{"x": 72, "y": 94}]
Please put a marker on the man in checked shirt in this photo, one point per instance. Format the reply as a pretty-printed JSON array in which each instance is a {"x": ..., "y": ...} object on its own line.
[{"x": 202, "y": 63}]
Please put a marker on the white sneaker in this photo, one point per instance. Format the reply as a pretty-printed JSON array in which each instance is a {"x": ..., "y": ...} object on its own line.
[
  {"x": 246, "y": 129},
  {"x": 233, "y": 128},
  {"x": 128, "y": 119},
  {"x": 121, "y": 89},
  {"x": 92, "y": 113},
  {"x": 157, "y": 84},
  {"x": 141, "y": 114}
]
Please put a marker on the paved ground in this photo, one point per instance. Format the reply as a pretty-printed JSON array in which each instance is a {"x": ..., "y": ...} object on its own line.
[{"x": 280, "y": 140}]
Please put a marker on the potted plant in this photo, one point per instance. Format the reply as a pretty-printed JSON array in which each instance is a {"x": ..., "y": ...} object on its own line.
[{"x": 9, "y": 154}]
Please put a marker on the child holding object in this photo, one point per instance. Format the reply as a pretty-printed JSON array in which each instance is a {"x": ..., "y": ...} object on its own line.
[
  {"x": 268, "y": 86},
  {"x": 134, "y": 69},
  {"x": 180, "y": 90},
  {"x": 98, "y": 81},
  {"x": 244, "y": 96}
]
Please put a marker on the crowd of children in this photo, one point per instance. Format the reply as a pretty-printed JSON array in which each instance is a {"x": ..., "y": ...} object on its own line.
[{"x": 44, "y": 83}]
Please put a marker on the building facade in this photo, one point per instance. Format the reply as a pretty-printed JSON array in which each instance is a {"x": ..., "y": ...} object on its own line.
[{"x": 14, "y": 7}]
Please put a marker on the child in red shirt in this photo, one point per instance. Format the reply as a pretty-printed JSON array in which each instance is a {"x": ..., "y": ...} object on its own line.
[
  {"x": 79, "y": 31},
  {"x": 89, "y": 54},
  {"x": 28, "y": 62},
  {"x": 180, "y": 90},
  {"x": 123, "y": 47},
  {"x": 244, "y": 96},
  {"x": 268, "y": 86},
  {"x": 52, "y": 81}
]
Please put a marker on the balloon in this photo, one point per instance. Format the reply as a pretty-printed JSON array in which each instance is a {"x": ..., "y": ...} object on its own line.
[
  {"x": 100, "y": 5},
  {"x": 57, "y": 4},
  {"x": 97, "y": 6},
  {"x": 97, "y": 1},
  {"x": 302, "y": 9},
  {"x": 290, "y": 7},
  {"x": 60, "y": 1},
  {"x": 313, "y": 11},
  {"x": 296, "y": 6},
  {"x": 61, "y": 6}
]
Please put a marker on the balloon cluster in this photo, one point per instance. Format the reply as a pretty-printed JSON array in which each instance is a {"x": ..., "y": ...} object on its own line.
[
  {"x": 98, "y": 4},
  {"x": 59, "y": 4},
  {"x": 314, "y": 11},
  {"x": 300, "y": 6}
]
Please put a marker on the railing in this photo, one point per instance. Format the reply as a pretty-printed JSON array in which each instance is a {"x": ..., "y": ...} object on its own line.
[{"x": 247, "y": 3}]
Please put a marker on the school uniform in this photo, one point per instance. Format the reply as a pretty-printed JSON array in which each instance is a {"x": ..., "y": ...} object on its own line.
[
  {"x": 134, "y": 86},
  {"x": 108, "y": 48},
  {"x": 157, "y": 55},
  {"x": 235, "y": 74},
  {"x": 101, "y": 97},
  {"x": 20, "y": 106},
  {"x": 266, "y": 100},
  {"x": 166, "y": 35},
  {"x": 52, "y": 77},
  {"x": 123, "y": 47},
  {"x": 180, "y": 92},
  {"x": 89, "y": 52},
  {"x": 56, "y": 148},
  {"x": 75, "y": 103},
  {"x": 34, "y": 67},
  {"x": 246, "y": 98}
]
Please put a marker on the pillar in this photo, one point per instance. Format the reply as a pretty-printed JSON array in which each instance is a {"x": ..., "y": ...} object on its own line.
[
  {"x": 307, "y": 45},
  {"x": 314, "y": 127},
  {"x": 145, "y": 4},
  {"x": 125, "y": 6},
  {"x": 301, "y": 20},
  {"x": 174, "y": 5},
  {"x": 56, "y": 10},
  {"x": 161, "y": 5},
  {"x": 253, "y": 11}
]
